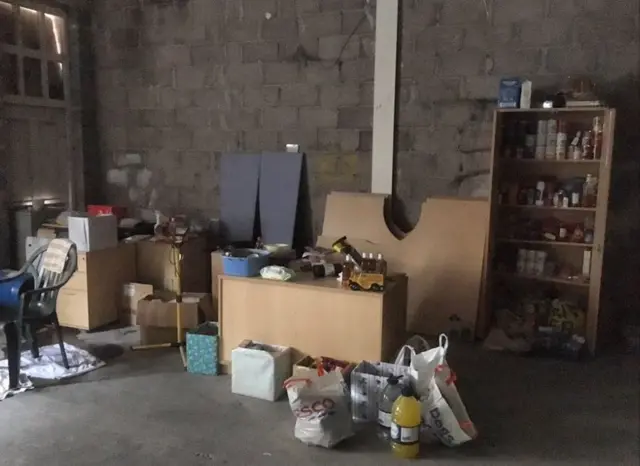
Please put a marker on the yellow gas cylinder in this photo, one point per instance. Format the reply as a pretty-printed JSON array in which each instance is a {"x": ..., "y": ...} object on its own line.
[{"x": 405, "y": 425}]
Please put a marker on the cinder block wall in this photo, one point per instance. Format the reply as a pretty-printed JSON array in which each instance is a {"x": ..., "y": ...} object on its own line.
[{"x": 181, "y": 81}]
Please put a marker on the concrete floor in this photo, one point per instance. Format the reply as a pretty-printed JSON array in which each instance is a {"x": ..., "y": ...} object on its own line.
[{"x": 143, "y": 409}]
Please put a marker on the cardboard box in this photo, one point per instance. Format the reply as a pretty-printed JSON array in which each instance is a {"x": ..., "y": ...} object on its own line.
[
  {"x": 509, "y": 93},
  {"x": 155, "y": 264},
  {"x": 131, "y": 294},
  {"x": 160, "y": 310},
  {"x": 93, "y": 233}
]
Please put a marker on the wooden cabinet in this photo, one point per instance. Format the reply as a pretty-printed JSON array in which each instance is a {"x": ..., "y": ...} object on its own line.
[
  {"x": 93, "y": 295},
  {"x": 317, "y": 317},
  {"x": 547, "y": 231}
]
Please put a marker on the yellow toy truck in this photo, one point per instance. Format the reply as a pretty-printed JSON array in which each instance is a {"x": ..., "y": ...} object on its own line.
[{"x": 366, "y": 281}]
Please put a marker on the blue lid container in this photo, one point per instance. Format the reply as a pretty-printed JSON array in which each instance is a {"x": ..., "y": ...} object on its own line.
[{"x": 245, "y": 262}]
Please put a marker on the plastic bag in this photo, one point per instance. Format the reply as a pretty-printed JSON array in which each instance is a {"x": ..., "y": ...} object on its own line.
[
  {"x": 321, "y": 407},
  {"x": 414, "y": 345},
  {"x": 276, "y": 272},
  {"x": 444, "y": 415}
]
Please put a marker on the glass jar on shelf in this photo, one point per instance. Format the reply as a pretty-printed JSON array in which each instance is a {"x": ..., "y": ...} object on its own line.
[{"x": 590, "y": 191}]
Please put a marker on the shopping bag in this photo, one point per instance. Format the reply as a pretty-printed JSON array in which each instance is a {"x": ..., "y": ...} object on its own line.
[
  {"x": 368, "y": 380},
  {"x": 414, "y": 345},
  {"x": 320, "y": 404},
  {"x": 444, "y": 415}
]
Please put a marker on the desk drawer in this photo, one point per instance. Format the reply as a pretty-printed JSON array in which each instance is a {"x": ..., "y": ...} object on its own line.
[
  {"x": 73, "y": 309},
  {"x": 77, "y": 282}
]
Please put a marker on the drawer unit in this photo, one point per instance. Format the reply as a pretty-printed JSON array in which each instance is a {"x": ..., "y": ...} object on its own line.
[{"x": 93, "y": 295}]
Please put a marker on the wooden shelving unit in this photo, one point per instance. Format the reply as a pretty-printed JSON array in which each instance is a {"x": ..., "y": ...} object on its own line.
[
  {"x": 544, "y": 242},
  {"x": 548, "y": 207},
  {"x": 516, "y": 169},
  {"x": 541, "y": 278}
]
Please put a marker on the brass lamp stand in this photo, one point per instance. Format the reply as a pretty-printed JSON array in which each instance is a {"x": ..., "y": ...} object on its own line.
[{"x": 176, "y": 241}]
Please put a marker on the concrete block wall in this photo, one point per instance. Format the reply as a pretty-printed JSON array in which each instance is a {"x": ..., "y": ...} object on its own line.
[
  {"x": 180, "y": 81},
  {"x": 454, "y": 53}
]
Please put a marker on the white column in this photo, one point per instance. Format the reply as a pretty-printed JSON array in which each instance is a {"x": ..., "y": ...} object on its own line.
[{"x": 384, "y": 96}]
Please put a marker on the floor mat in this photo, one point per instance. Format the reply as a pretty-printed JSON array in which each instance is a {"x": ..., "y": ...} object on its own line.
[{"x": 48, "y": 366}]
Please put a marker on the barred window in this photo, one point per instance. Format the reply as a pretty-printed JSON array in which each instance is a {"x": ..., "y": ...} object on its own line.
[{"x": 33, "y": 54}]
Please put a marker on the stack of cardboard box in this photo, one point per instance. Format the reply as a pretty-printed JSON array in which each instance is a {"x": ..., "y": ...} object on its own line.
[{"x": 150, "y": 303}]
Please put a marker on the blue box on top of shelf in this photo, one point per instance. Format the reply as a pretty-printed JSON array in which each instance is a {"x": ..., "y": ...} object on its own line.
[
  {"x": 245, "y": 262},
  {"x": 202, "y": 349},
  {"x": 509, "y": 94}
]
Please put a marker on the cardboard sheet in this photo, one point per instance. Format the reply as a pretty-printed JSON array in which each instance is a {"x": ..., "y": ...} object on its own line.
[
  {"x": 239, "y": 176},
  {"x": 450, "y": 239},
  {"x": 443, "y": 256},
  {"x": 280, "y": 174}
]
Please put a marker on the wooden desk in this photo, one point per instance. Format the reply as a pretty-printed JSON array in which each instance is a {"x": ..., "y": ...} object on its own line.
[{"x": 313, "y": 316}]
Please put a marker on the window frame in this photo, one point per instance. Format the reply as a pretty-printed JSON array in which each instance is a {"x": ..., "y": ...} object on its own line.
[{"x": 42, "y": 54}]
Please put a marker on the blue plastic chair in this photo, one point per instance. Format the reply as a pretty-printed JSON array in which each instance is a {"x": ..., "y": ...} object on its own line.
[{"x": 32, "y": 305}]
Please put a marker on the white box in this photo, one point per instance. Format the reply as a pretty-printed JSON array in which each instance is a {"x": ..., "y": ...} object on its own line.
[
  {"x": 93, "y": 233},
  {"x": 525, "y": 94},
  {"x": 260, "y": 373}
]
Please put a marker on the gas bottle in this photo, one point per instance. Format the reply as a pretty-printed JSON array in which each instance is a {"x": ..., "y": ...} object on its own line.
[
  {"x": 405, "y": 425},
  {"x": 388, "y": 397}
]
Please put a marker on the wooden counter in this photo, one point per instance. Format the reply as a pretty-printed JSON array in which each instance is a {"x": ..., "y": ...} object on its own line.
[{"x": 314, "y": 316}]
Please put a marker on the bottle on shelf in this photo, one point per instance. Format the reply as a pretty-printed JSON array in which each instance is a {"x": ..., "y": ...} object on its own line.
[
  {"x": 575, "y": 151},
  {"x": 343, "y": 246},
  {"x": 541, "y": 140},
  {"x": 347, "y": 269},
  {"x": 589, "y": 227},
  {"x": 405, "y": 425},
  {"x": 364, "y": 265},
  {"x": 590, "y": 191},
  {"x": 530, "y": 141},
  {"x": 521, "y": 137},
  {"x": 587, "y": 145},
  {"x": 326, "y": 270},
  {"x": 598, "y": 135},
  {"x": 540, "y": 187},
  {"x": 552, "y": 140},
  {"x": 561, "y": 141},
  {"x": 369, "y": 263},
  {"x": 382, "y": 265}
]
